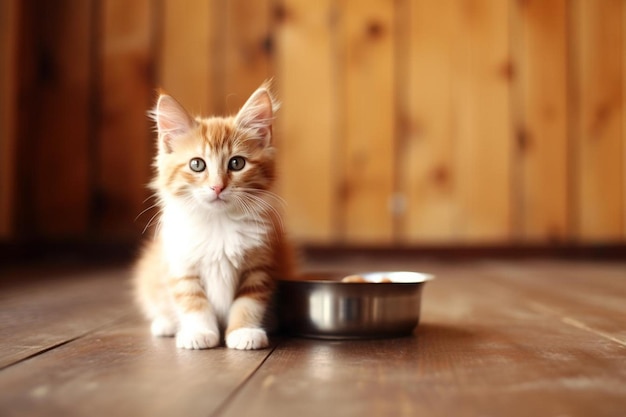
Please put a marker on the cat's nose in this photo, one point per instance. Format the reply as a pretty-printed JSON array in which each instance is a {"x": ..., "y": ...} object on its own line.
[{"x": 217, "y": 189}]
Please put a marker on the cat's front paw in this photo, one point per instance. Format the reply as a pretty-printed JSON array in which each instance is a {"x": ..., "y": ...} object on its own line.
[
  {"x": 247, "y": 338},
  {"x": 195, "y": 339}
]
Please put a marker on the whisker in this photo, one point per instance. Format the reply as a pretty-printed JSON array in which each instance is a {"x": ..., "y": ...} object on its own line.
[
  {"x": 249, "y": 212},
  {"x": 150, "y": 222},
  {"x": 266, "y": 207},
  {"x": 264, "y": 193},
  {"x": 153, "y": 195},
  {"x": 145, "y": 210}
]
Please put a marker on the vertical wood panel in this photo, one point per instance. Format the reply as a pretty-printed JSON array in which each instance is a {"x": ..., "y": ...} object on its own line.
[
  {"x": 306, "y": 135},
  {"x": 368, "y": 116},
  {"x": 540, "y": 47},
  {"x": 246, "y": 45},
  {"x": 599, "y": 68},
  {"x": 483, "y": 121},
  {"x": 511, "y": 114},
  {"x": 456, "y": 158},
  {"x": 55, "y": 130},
  {"x": 8, "y": 77},
  {"x": 427, "y": 151},
  {"x": 187, "y": 58},
  {"x": 125, "y": 143}
]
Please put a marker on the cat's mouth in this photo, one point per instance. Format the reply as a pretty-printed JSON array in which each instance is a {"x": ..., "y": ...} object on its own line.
[
  {"x": 216, "y": 201},
  {"x": 219, "y": 200},
  {"x": 210, "y": 199}
]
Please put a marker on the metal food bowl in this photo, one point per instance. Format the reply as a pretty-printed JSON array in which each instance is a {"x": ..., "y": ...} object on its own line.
[{"x": 382, "y": 304}]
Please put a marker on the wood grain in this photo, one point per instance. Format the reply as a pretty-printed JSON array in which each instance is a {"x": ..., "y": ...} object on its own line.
[
  {"x": 188, "y": 54},
  {"x": 368, "y": 107},
  {"x": 481, "y": 350},
  {"x": 496, "y": 338},
  {"x": 246, "y": 51},
  {"x": 483, "y": 120},
  {"x": 125, "y": 144},
  {"x": 427, "y": 155},
  {"x": 48, "y": 313},
  {"x": 599, "y": 122},
  {"x": 8, "y": 102},
  {"x": 541, "y": 113},
  {"x": 306, "y": 134},
  {"x": 122, "y": 370},
  {"x": 456, "y": 154},
  {"x": 580, "y": 295},
  {"x": 469, "y": 122},
  {"x": 55, "y": 128}
]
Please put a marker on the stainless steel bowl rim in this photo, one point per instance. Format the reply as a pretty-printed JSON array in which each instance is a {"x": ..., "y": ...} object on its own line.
[{"x": 372, "y": 277}]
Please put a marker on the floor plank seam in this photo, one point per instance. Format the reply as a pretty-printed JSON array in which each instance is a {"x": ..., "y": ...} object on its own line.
[
  {"x": 231, "y": 397},
  {"x": 576, "y": 324},
  {"x": 541, "y": 308},
  {"x": 43, "y": 351},
  {"x": 68, "y": 341}
]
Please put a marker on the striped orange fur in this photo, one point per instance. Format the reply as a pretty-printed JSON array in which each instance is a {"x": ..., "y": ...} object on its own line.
[{"x": 219, "y": 244}]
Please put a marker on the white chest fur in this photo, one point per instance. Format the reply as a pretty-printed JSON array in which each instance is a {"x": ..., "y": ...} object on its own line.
[{"x": 212, "y": 246}]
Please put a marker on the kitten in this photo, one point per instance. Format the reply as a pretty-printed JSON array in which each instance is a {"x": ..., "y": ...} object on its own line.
[{"x": 220, "y": 242}]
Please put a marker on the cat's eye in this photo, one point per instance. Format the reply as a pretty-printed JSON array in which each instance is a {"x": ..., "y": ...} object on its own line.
[
  {"x": 236, "y": 163},
  {"x": 197, "y": 165}
]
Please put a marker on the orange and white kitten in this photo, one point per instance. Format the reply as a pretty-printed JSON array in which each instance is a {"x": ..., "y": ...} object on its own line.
[{"x": 220, "y": 242}]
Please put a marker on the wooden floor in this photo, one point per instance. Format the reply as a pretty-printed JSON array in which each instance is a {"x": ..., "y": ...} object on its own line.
[{"x": 528, "y": 338}]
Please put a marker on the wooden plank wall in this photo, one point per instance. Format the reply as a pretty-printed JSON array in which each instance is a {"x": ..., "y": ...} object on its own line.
[
  {"x": 8, "y": 52},
  {"x": 541, "y": 153},
  {"x": 599, "y": 118},
  {"x": 123, "y": 150},
  {"x": 306, "y": 43},
  {"x": 403, "y": 121},
  {"x": 55, "y": 111},
  {"x": 367, "y": 86}
]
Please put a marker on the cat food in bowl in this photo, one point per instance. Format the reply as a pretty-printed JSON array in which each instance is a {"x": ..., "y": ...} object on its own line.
[{"x": 368, "y": 305}]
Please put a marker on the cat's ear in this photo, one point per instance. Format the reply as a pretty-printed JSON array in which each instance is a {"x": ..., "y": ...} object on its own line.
[
  {"x": 257, "y": 115},
  {"x": 172, "y": 121}
]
